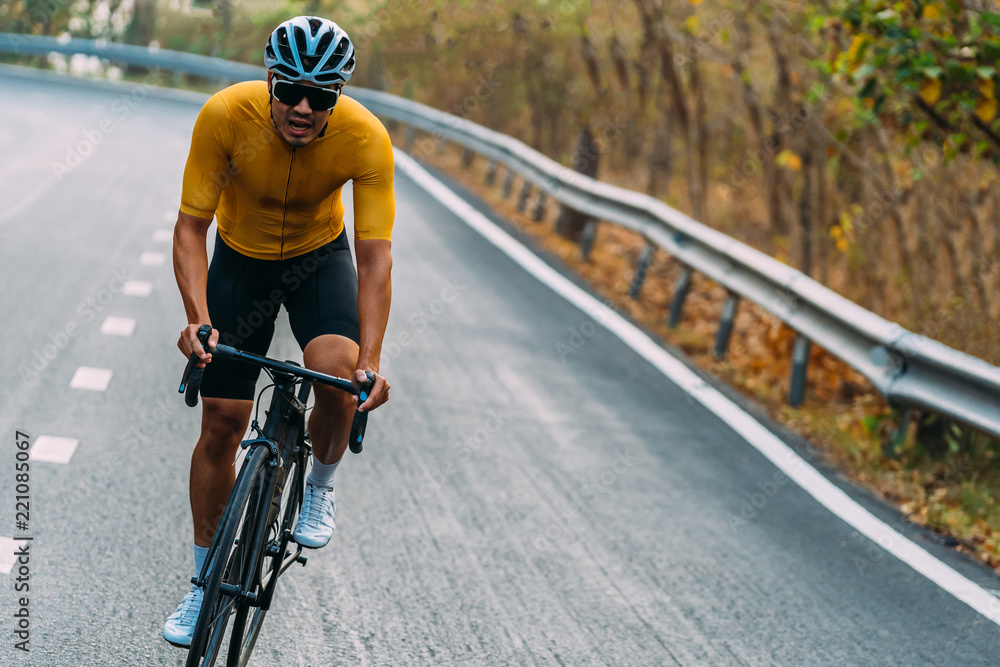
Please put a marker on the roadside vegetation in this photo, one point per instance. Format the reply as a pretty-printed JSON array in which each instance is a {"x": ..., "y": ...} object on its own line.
[{"x": 857, "y": 141}]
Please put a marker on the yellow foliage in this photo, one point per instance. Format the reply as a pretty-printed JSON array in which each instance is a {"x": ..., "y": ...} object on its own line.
[
  {"x": 987, "y": 87},
  {"x": 691, "y": 23},
  {"x": 933, "y": 11},
  {"x": 788, "y": 160},
  {"x": 695, "y": 2},
  {"x": 854, "y": 52},
  {"x": 986, "y": 109},
  {"x": 930, "y": 90}
]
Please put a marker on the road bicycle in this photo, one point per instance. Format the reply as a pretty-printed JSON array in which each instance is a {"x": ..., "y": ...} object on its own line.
[{"x": 253, "y": 543}]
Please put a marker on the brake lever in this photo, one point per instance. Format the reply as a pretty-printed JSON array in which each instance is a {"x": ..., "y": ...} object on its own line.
[{"x": 360, "y": 422}]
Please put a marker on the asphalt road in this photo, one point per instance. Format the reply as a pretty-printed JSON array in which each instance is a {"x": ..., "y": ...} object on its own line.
[{"x": 516, "y": 504}]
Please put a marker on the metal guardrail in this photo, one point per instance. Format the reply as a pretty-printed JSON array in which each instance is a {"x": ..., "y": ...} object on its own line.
[{"x": 910, "y": 370}]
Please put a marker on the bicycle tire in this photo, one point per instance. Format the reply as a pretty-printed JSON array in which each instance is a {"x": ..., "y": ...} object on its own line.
[
  {"x": 244, "y": 635},
  {"x": 213, "y": 619},
  {"x": 249, "y": 619}
]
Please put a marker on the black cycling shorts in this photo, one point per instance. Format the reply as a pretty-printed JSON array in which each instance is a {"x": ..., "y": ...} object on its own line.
[{"x": 318, "y": 289}]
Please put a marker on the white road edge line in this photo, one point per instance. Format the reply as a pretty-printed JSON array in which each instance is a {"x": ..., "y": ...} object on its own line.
[{"x": 793, "y": 465}]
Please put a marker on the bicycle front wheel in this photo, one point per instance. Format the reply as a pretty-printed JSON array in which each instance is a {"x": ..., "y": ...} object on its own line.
[
  {"x": 284, "y": 508},
  {"x": 225, "y": 572}
]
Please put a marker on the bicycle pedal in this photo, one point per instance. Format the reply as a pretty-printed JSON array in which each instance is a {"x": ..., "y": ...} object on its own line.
[{"x": 302, "y": 559}]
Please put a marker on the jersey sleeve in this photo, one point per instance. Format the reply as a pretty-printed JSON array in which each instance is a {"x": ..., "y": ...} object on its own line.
[
  {"x": 374, "y": 197},
  {"x": 206, "y": 173}
]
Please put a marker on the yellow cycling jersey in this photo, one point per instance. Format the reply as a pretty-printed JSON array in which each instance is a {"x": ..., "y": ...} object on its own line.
[{"x": 272, "y": 201}]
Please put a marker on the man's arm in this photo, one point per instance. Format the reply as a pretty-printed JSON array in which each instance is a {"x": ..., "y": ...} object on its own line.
[
  {"x": 191, "y": 272},
  {"x": 374, "y": 297}
]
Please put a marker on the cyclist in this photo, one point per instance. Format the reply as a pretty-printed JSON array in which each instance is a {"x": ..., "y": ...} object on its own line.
[{"x": 269, "y": 160}]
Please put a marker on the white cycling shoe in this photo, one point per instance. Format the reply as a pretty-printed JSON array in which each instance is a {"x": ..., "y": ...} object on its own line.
[
  {"x": 315, "y": 524},
  {"x": 179, "y": 628}
]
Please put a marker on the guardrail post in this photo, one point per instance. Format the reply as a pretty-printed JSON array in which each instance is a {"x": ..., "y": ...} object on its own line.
[
  {"x": 508, "y": 183},
  {"x": 539, "y": 211},
  {"x": 726, "y": 325},
  {"x": 491, "y": 173},
  {"x": 587, "y": 238},
  {"x": 522, "y": 199},
  {"x": 890, "y": 447},
  {"x": 411, "y": 136},
  {"x": 800, "y": 363},
  {"x": 571, "y": 223},
  {"x": 467, "y": 156},
  {"x": 640, "y": 270},
  {"x": 680, "y": 295}
]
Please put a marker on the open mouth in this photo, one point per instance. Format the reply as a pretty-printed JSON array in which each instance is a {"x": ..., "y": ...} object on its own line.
[{"x": 299, "y": 127}]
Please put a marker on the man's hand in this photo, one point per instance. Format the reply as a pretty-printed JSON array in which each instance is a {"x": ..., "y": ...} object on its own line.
[
  {"x": 379, "y": 393},
  {"x": 188, "y": 343}
]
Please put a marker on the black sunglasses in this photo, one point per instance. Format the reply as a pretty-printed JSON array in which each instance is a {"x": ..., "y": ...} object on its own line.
[{"x": 291, "y": 93}]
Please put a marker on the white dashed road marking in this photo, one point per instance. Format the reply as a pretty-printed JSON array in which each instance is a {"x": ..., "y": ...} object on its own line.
[
  {"x": 118, "y": 326},
  {"x": 91, "y": 378},
  {"x": 152, "y": 258},
  {"x": 137, "y": 288},
  {"x": 52, "y": 449}
]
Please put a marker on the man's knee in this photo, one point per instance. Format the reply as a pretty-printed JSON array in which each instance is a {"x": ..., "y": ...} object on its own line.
[
  {"x": 330, "y": 399},
  {"x": 331, "y": 354},
  {"x": 223, "y": 424}
]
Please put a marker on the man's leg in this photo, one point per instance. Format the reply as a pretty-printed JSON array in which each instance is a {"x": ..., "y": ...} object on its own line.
[
  {"x": 330, "y": 420},
  {"x": 329, "y": 430},
  {"x": 223, "y": 423}
]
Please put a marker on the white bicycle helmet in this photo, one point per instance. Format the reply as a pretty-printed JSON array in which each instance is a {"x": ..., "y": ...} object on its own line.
[{"x": 310, "y": 48}]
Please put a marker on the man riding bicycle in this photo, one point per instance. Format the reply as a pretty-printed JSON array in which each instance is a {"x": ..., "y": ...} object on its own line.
[{"x": 269, "y": 160}]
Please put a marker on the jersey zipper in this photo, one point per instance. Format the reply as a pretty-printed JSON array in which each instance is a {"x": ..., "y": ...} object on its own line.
[{"x": 284, "y": 207}]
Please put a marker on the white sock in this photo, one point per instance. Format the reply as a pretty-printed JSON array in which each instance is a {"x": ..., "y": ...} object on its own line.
[
  {"x": 199, "y": 559},
  {"x": 321, "y": 474}
]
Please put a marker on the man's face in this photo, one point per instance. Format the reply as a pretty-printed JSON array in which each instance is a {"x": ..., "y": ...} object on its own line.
[{"x": 300, "y": 124}]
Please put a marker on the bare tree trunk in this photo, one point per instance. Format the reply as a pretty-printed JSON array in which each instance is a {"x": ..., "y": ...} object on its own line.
[
  {"x": 893, "y": 198},
  {"x": 822, "y": 238},
  {"x": 661, "y": 159},
  {"x": 765, "y": 149},
  {"x": 698, "y": 178},
  {"x": 921, "y": 282},
  {"x": 778, "y": 185},
  {"x": 805, "y": 214},
  {"x": 656, "y": 35}
]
